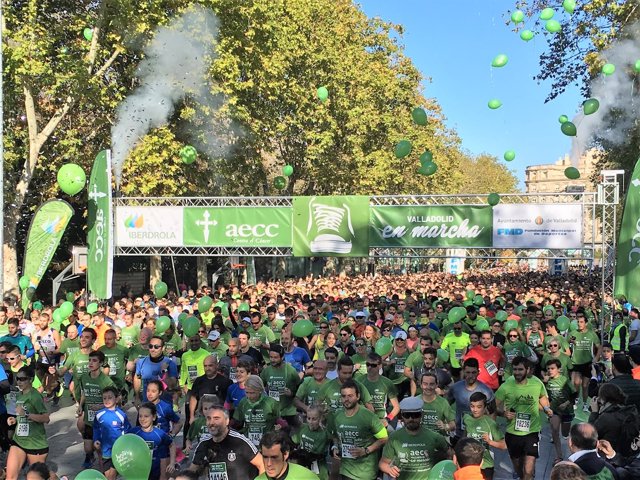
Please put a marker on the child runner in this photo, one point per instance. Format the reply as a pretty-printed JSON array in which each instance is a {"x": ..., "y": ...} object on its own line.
[
  {"x": 168, "y": 420},
  {"x": 198, "y": 430},
  {"x": 110, "y": 423},
  {"x": 312, "y": 441},
  {"x": 159, "y": 442},
  {"x": 562, "y": 393}
]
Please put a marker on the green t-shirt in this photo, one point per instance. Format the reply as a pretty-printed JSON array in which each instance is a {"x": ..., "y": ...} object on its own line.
[
  {"x": 30, "y": 435},
  {"x": 584, "y": 346},
  {"x": 560, "y": 339},
  {"x": 258, "y": 418},
  {"x": 4, "y": 329},
  {"x": 192, "y": 366},
  {"x": 92, "y": 391},
  {"x": 220, "y": 351},
  {"x": 137, "y": 352},
  {"x": 359, "y": 430},
  {"x": 381, "y": 391},
  {"x": 524, "y": 399},
  {"x": 295, "y": 472},
  {"x": 513, "y": 350},
  {"x": 276, "y": 328},
  {"x": 198, "y": 431},
  {"x": 308, "y": 390},
  {"x": 476, "y": 428},
  {"x": 457, "y": 347},
  {"x": 116, "y": 358},
  {"x": 312, "y": 441},
  {"x": 276, "y": 380},
  {"x": 265, "y": 335},
  {"x": 69, "y": 347},
  {"x": 174, "y": 343},
  {"x": 415, "y": 359},
  {"x": 361, "y": 362},
  {"x": 330, "y": 394},
  {"x": 129, "y": 336},
  {"x": 565, "y": 361},
  {"x": 414, "y": 455},
  {"x": 395, "y": 372},
  {"x": 78, "y": 364},
  {"x": 560, "y": 390},
  {"x": 438, "y": 409}
]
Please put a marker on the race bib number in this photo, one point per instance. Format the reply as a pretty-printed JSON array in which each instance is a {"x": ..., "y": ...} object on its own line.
[
  {"x": 91, "y": 414},
  {"x": 346, "y": 451},
  {"x": 458, "y": 353},
  {"x": 399, "y": 368},
  {"x": 523, "y": 422},
  {"x": 193, "y": 372},
  {"x": 511, "y": 355},
  {"x": 491, "y": 367},
  {"x": 218, "y": 471},
  {"x": 113, "y": 366},
  {"x": 232, "y": 375},
  {"x": 255, "y": 437},
  {"x": 22, "y": 428},
  {"x": 275, "y": 394}
]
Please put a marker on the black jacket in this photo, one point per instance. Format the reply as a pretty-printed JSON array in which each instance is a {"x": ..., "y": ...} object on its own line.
[
  {"x": 610, "y": 421},
  {"x": 597, "y": 467},
  {"x": 631, "y": 388}
]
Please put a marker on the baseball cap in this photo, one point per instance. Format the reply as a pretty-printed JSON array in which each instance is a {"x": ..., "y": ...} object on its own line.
[
  {"x": 411, "y": 404},
  {"x": 360, "y": 314},
  {"x": 214, "y": 335},
  {"x": 245, "y": 317},
  {"x": 401, "y": 334}
]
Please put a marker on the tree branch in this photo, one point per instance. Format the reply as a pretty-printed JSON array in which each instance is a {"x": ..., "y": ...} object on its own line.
[{"x": 109, "y": 62}]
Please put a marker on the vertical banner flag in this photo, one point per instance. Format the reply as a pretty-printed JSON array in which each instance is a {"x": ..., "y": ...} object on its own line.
[
  {"x": 46, "y": 230},
  {"x": 100, "y": 225},
  {"x": 627, "y": 279},
  {"x": 331, "y": 226}
]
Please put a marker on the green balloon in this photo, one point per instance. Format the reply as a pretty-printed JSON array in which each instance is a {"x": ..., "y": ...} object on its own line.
[
  {"x": 160, "y": 289},
  {"x": 466, "y": 303},
  {"x": 478, "y": 300},
  {"x": 517, "y": 17},
  {"x": 443, "y": 355},
  {"x": 188, "y": 154},
  {"x": 494, "y": 104},
  {"x": 590, "y": 106},
  {"x": 563, "y": 323},
  {"x": 131, "y": 456},
  {"x": 204, "y": 304},
  {"x": 493, "y": 199},
  {"x": 383, "y": 346},
  {"x": 482, "y": 325},
  {"x": 569, "y": 6},
  {"x": 509, "y": 155},
  {"x": 456, "y": 314},
  {"x": 501, "y": 315},
  {"x": 90, "y": 474},
  {"x": 23, "y": 282},
  {"x": 303, "y": 328},
  {"x": 280, "y": 183},
  {"x": 569, "y": 129},
  {"x": 419, "y": 116},
  {"x": 190, "y": 326},
  {"x": 66, "y": 309},
  {"x": 510, "y": 325},
  {"x": 563, "y": 119},
  {"x": 553, "y": 26},
  {"x": 57, "y": 316},
  {"x": 88, "y": 34},
  {"x": 636, "y": 66},
  {"x": 182, "y": 317},
  {"x": 402, "y": 149},
  {"x": 287, "y": 170},
  {"x": 162, "y": 324},
  {"x": 426, "y": 157},
  {"x": 573, "y": 327},
  {"x": 500, "y": 60},
  {"x": 442, "y": 470},
  {"x": 38, "y": 306},
  {"x": 469, "y": 294},
  {"x": 572, "y": 173},
  {"x": 92, "y": 308},
  {"x": 323, "y": 94},
  {"x": 527, "y": 35},
  {"x": 71, "y": 178},
  {"x": 428, "y": 169},
  {"x": 71, "y": 297},
  {"x": 608, "y": 68},
  {"x": 547, "y": 14}
]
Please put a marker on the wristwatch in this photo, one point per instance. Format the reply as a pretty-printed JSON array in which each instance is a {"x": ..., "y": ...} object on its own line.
[{"x": 366, "y": 450}]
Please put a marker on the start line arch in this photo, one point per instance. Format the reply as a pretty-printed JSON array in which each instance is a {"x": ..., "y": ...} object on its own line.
[{"x": 557, "y": 226}]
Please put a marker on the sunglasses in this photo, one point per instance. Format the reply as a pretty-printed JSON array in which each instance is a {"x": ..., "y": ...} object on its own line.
[
  {"x": 324, "y": 327},
  {"x": 202, "y": 331},
  {"x": 411, "y": 414},
  {"x": 11, "y": 358},
  {"x": 399, "y": 339},
  {"x": 386, "y": 329},
  {"x": 22, "y": 379},
  {"x": 457, "y": 329},
  {"x": 3, "y": 352},
  {"x": 373, "y": 365},
  {"x": 360, "y": 345},
  {"x": 155, "y": 347},
  {"x": 553, "y": 345},
  {"x": 513, "y": 336},
  {"x": 255, "y": 323},
  {"x": 344, "y": 334}
]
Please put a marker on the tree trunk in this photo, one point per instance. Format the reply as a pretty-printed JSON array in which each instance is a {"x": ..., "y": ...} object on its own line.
[
  {"x": 201, "y": 272},
  {"x": 155, "y": 270}
]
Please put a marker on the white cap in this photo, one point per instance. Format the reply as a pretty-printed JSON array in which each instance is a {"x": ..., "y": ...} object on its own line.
[
  {"x": 401, "y": 334},
  {"x": 214, "y": 335}
]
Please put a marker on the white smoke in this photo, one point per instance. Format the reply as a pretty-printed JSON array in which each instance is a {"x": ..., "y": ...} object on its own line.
[
  {"x": 175, "y": 66},
  {"x": 614, "y": 92}
]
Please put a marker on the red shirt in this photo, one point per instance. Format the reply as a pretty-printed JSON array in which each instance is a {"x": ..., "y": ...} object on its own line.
[{"x": 489, "y": 361}]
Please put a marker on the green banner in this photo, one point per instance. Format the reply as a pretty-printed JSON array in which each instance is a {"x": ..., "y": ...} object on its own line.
[
  {"x": 46, "y": 230},
  {"x": 627, "y": 280},
  {"x": 331, "y": 226},
  {"x": 100, "y": 228},
  {"x": 431, "y": 226},
  {"x": 237, "y": 226}
]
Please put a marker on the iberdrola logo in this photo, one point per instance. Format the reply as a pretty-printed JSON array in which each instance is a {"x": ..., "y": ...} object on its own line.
[
  {"x": 134, "y": 221},
  {"x": 55, "y": 225}
]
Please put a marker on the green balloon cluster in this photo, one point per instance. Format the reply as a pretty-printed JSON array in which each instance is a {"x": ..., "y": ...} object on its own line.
[
  {"x": 547, "y": 14},
  {"x": 527, "y": 35},
  {"x": 66, "y": 309},
  {"x": 553, "y": 26},
  {"x": 280, "y": 182},
  {"x": 500, "y": 61},
  {"x": 131, "y": 457},
  {"x": 88, "y": 34},
  {"x": 426, "y": 157},
  {"x": 303, "y": 328},
  {"x": 509, "y": 155},
  {"x": 160, "y": 289},
  {"x": 493, "y": 199},
  {"x": 71, "y": 178},
  {"x": 188, "y": 154},
  {"x": 419, "y": 116},
  {"x": 572, "y": 173},
  {"x": 517, "y": 17},
  {"x": 428, "y": 169},
  {"x": 569, "y": 129},
  {"x": 287, "y": 170},
  {"x": 402, "y": 149},
  {"x": 569, "y": 6},
  {"x": 590, "y": 106},
  {"x": 494, "y": 104},
  {"x": 563, "y": 119},
  {"x": 608, "y": 69},
  {"x": 323, "y": 94}
]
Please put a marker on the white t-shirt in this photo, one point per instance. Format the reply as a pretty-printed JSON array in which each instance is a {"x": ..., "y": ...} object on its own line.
[{"x": 635, "y": 327}]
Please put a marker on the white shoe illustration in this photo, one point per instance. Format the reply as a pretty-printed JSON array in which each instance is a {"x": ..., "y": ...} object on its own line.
[{"x": 328, "y": 221}]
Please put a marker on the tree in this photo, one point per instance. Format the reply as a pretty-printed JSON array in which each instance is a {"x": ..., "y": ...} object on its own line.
[{"x": 485, "y": 174}]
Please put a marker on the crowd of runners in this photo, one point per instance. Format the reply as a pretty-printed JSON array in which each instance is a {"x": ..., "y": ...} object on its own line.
[{"x": 398, "y": 375}]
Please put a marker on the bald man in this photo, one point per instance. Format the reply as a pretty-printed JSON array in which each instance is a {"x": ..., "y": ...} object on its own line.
[{"x": 583, "y": 444}]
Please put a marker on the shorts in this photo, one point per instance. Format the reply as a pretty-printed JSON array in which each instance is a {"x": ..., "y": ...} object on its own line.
[
  {"x": 107, "y": 464},
  {"x": 31, "y": 451},
  {"x": 583, "y": 369},
  {"x": 523, "y": 445},
  {"x": 87, "y": 433}
]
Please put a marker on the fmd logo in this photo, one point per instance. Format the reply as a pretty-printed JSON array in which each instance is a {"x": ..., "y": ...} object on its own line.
[
  {"x": 510, "y": 231},
  {"x": 134, "y": 221}
]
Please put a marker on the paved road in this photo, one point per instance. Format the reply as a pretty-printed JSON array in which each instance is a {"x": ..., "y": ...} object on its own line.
[{"x": 66, "y": 453}]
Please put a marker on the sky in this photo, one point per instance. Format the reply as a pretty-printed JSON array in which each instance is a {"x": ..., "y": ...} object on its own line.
[{"x": 453, "y": 44}]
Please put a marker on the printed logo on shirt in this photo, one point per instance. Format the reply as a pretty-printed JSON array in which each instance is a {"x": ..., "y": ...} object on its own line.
[{"x": 231, "y": 456}]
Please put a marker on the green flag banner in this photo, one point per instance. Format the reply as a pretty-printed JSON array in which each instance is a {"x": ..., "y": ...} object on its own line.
[
  {"x": 627, "y": 279},
  {"x": 100, "y": 228},
  {"x": 46, "y": 229},
  {"x": 430, "y": 226},
  {"x": 331, "y": 226}
]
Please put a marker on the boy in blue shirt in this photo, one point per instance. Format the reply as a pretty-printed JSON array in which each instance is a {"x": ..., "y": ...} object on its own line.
[{"x": 109, "y": 424}]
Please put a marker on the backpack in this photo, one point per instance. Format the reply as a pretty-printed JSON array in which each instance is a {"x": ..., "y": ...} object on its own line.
[{"x": 630, "y": 434}]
